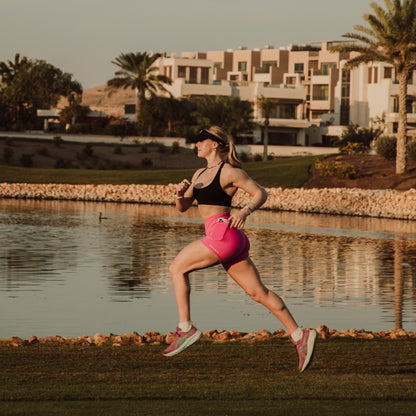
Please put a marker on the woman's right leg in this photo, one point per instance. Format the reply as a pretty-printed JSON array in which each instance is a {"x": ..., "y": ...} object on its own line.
[{"x": 194, "y": 256}]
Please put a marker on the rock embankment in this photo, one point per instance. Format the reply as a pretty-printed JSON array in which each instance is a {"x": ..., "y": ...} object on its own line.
[
  {"x": 341, "y": 201},
  {"x": 155, "y": 338}
]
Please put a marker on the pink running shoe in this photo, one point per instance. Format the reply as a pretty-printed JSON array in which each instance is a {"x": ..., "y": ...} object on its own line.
[
  {"x": 182, "y": 340},
  {"x": 305, "y": 347}
]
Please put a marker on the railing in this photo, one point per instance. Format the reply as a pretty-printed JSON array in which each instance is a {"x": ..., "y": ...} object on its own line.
[{"x": 279, "y": 85}]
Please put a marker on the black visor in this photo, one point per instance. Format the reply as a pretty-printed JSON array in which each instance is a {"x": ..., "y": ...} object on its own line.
[{"x": 204, "y": 135}]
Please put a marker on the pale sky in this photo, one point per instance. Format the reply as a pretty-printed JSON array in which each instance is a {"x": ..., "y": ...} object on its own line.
[{"x": 82, "y": 37}]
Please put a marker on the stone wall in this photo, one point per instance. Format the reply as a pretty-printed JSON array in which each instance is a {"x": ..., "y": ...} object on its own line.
[{"x": 341, "y": 201}]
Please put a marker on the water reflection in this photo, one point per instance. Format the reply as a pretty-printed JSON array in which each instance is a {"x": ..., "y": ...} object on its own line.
[{"x": 63, "y": 270}]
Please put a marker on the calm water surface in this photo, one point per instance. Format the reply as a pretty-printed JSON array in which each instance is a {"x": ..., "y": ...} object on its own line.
[{"x": 62, "y": 271}]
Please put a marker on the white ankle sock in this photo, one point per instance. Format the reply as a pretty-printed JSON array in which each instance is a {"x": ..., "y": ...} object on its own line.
[
  {"x": 296, "y": 335},
  {"x": 184, "y": 326}
]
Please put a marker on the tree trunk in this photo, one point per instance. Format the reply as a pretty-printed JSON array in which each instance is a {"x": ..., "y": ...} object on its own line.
[
  {"x": 138, "y": 105},
  {"x": 401, "y": 158},
  {"x": 266, "y": 139}
]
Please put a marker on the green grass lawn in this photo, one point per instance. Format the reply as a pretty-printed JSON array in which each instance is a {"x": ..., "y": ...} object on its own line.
[
  {"x": 283, "y": 172},
  {"x": 376, "y": 377}
]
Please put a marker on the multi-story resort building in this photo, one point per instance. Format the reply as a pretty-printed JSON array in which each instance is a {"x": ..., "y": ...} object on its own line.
[{"x": 315, "y": 97}]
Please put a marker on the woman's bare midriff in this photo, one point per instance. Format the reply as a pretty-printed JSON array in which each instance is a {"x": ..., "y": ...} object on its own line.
[{"x": 207, "y": 211}]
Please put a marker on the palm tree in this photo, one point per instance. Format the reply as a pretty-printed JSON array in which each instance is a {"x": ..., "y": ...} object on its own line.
[
  {"x": 231, "y": 113},
  {"x": 138, "y": 73},
  {"x": 266, "y": 106},
  {"x": 391, "y": 38}
]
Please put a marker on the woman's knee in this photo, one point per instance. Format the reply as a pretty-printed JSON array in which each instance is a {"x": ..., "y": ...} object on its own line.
[{"x": 259, "y": 296}]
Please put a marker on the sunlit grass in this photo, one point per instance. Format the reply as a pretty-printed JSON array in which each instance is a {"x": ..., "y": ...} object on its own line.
[
  {"x": 282, "y": 172},
  {"x": 346, "y": 377}
]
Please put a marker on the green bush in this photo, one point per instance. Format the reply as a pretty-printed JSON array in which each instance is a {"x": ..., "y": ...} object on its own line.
[
  {"x": 118, "y": 150},
  {"x": 258, "y": 158},
  {"x": 43, "y": 151},
  {"x": 355, "y": 134},
  {"x": 88, "y": 150},
  {"x": 243, "y": 156},
  {"x": 411, "y": 149},
  {"x": 26, "y": 160},
  {"x": 147, "y": 162},
  {"x": 57, "y": 140},
  {"x": 336, "y": 168},
  {"x": 353, "y": 148},
  {"x": 8, "y": 154},
  {"x": 175, "y": 147},
  {"x": 63, "y": 164},
  {"x": 386, "y": 147}
]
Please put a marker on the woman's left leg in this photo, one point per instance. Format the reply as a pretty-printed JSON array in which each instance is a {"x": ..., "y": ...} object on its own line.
[{"x": 246, "y": 275}]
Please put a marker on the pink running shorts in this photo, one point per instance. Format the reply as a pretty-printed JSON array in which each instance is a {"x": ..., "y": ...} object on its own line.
[{"x": 230, "y": 245}]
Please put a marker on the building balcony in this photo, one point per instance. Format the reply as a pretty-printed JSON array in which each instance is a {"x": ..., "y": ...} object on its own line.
[
  {"x": 285, "y": 122},
  {"x": 323, "y": 105}
]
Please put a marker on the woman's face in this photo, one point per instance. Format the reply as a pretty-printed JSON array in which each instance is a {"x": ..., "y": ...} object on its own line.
[{"x": 205, "y": 147}]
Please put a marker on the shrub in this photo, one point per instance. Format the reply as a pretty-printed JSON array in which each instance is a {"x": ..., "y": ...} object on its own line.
[
  {"x": 88, "y": 150},
  {"x": 118, "y": 150},
  {"x": 63, "y": 164},
  {"x": 411, "y": 149},
  {"x": 243, "y": 156},
  {"x": 161, "y": 148},
  {"x": 175, "y": 147},
  {"x": 355, "y": 134},
  {"x": 26, "y": 160},
  {"x": 8, "y": 154},
  {"x": 147, "y": 162},
  {"x": 353, "y": 148},
  {"x": 43, "y": 151},
  {"x": 101, "y": 165},
  {"x": 57, "y": 140},
  {"x": 386, "y": 147},
  {"x": 336, "y": 168},
  {"x": 258, "y": 158}
]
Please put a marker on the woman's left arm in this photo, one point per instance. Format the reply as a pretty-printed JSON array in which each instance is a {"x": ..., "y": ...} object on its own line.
[{"x": 241, "y": 180}]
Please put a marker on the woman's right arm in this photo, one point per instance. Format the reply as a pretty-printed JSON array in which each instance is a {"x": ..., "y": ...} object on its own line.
[{"x": 185, "y": 194}]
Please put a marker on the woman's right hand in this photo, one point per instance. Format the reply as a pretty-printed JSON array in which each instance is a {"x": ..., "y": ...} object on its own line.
[{"x": 182, "y": 187}]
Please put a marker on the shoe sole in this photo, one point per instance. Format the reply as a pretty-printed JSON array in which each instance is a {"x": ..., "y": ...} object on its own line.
[
  {"x": 191, "y": 340},
  {"x": 311, "y": 350}
]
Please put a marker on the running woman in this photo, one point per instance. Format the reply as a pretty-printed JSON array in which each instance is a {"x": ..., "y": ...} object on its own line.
[{"x": 213, "y": 187}]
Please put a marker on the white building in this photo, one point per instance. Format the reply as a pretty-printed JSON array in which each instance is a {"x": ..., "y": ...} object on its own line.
[{"x": 315, "y": 98}]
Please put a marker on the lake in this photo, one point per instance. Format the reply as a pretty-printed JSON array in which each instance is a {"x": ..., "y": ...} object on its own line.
[{"x": 63, "y": 271}]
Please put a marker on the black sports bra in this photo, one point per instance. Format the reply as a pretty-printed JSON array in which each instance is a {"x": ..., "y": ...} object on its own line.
[{"x": 213, "y": 194}]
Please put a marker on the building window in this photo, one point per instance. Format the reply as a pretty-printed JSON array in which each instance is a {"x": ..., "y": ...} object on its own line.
[
  {"x": 320, "y": 92},
  {"x": 267, "y": 65},
  {"x": 372, "y": 75},
  {"x": 193, "y": 75},
  {"x": 388, "y": 73},
  {"x": 204, "y": 75},
  {"x": 345, "y": 98},
  {"x": 287, "y": 111},
  {"x": 326, "y": 67},
  {"x": 242, "y": 66},
  {"x": 290, "y": 80},
  {"x": 181, "y": 71},
  {"x": 299, "y": 68}
]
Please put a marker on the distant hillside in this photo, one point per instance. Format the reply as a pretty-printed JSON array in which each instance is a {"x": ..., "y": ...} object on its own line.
[{"x": 98, "y": 99}]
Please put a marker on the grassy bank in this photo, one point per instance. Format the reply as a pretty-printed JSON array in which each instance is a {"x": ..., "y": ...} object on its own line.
[
  {"x": 376, "y": 377},
  {"x": 285, "y": 172}
]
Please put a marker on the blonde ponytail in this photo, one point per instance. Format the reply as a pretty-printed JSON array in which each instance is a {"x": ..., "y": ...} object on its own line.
[{"x": 232, "y": 156}]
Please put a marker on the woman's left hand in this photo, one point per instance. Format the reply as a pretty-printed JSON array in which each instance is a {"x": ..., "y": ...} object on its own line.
[{"x": 238, "y": 219}]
